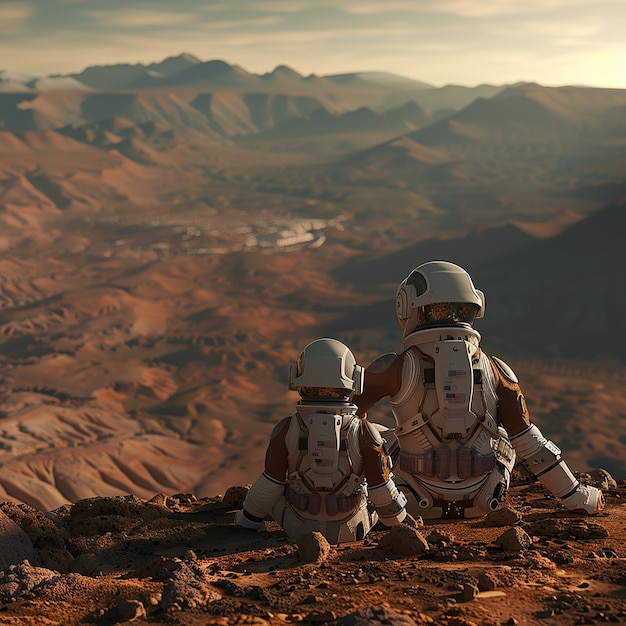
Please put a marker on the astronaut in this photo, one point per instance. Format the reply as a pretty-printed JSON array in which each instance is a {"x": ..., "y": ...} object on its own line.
[
  {"x": 462, "y": 421},
  {"x": 326, "y": 469}
]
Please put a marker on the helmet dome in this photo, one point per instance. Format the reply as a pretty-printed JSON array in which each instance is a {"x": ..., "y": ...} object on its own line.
[
  {"x": 438, "y": 293},
  {"x": 326, "y": 369}
]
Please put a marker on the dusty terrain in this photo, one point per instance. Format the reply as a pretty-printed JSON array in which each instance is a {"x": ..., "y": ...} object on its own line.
[
  {"x": 167, "y": 250},
  {"x": 180, "y": 560}
]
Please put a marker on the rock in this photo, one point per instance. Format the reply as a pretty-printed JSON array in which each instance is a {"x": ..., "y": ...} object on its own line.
[
  {"x": 468, "y": 553},
  {"x": 487, "y": 582},
  {"x": 582, "y": 529},
  {"x": 15, "y": 544},
  {"x": 86, "y": 564},
  {"x": 184, "y": 498},
  {"x": 234, "y": 496},
  {"x": 130, "y": 610},
  {"x": 537, "y": 561},
  {"x": 98, "y": 515},
  {"x": 469, "y": 592},
  {"x": 313, "y": 548},
  {"x": 46, "y": 537},
  {"x": 187, "y": 586},
  {"x": 376, "y": 616},
  {"x": 505, "y": 516},
  {"x": 125, "y": 610},
  {"x": 435, "y": 538},
  {"x": 546, "y": 528},
  {"x": 575, "y": 528},
  {"x": 604, "y": 478},
  {"x": 514, "y": 539},
  {"x": 460, "y": 621},
  {"x": 18, "y": 580},
  {"x": 320, "y": 617},
  {"x": 160, "y": 499},
  {"x": 404, "y": 541}
]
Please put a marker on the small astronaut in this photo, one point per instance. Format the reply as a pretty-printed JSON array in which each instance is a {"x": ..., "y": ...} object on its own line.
[
  {"x": 326, "y": 469},
  {"x": 461, "y": 418}
]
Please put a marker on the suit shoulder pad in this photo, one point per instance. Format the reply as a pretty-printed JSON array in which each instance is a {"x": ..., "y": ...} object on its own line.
[
  {"x": 382, "y": 363},
  {"x": 505, "y": 370}
]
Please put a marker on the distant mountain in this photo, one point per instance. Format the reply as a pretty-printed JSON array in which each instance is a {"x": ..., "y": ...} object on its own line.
[
  {"x": 530, "y": 127},
  {"x": 140, "y": 142},
  {"x": 191, "y": 72},
  {"x": 471, "y": 251},
  {"x": 531, "y": 114},
  {"x": 223, "y": 113},
  {"x": 55, "y": 110},
  {"x": 282, "y": 72},
  {"x": 232, "y": 114},
  {"x": 15, "y": 81},
  {"x": 433, "y": 99},
  {"x": 362, "y": 120},
  {"x": 182, "y": 74},
  {"x": 379, "y": 90},
  {"x": 562, "y": 296},
  {"x": 120, "y": 75},
  {"x": 208, "y": 74},
  {"x": 379, "y": 78}
]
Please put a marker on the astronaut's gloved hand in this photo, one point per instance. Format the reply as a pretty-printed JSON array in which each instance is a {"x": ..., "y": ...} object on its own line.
[
  {"x": 586, "y": 500},
  {"x": 245, "y": 521}
]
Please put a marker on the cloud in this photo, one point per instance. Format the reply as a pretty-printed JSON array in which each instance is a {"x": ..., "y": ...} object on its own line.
[
  {"x": 583, "y": 28},
  {"x": 282, "y": 6},
  {"x": 138, "y": 18},
  {"x": 438, "y": 41},
  {"x": 235, "y": 25},
  {"x": 469, "y": 8},
  {"x": 14, "y": 17}
]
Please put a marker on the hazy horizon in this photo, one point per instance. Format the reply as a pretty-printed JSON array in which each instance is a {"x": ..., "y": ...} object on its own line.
[{"x": 552, "y": 42}]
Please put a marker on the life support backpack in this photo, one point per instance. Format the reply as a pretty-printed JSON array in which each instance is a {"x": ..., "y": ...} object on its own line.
[{"x": 324, "y": 461}]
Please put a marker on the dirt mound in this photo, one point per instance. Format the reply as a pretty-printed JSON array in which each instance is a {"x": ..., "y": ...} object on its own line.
[{"x": 181, "y": 560}]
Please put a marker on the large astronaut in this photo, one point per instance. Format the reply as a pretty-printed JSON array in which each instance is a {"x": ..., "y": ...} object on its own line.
[
  {"x": 461, "y": 415},
  {"x": 324, "y": 463}
]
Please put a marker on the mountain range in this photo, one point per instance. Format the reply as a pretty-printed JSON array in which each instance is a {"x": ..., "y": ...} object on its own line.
[{"x": 172, "y": 235}]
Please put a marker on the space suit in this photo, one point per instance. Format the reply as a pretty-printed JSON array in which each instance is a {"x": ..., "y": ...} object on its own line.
[
  {"x": 462, "y": 422},
  {"x": 326, "y": 469}
]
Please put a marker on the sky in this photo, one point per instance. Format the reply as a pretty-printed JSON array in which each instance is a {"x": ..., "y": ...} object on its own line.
[{"x": 467, "y": 42}]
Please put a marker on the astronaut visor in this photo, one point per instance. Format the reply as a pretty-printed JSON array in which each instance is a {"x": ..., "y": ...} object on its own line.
[
  {"x": 447, "y": 313},
  {"x": 323, "y": 393}
]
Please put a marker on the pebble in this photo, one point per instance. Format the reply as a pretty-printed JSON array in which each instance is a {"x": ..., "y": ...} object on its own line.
[
  {"x": 514, "y": 539},
  {"x": 404, "y": 541},
  {"x": 505, "y": 516},
  {"x": 313, "y": 548}
]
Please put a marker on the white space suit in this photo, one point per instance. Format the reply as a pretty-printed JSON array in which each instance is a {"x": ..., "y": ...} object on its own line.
[
  {"x": 326, "y": 469},
  {"x": 462, "y": 421}
]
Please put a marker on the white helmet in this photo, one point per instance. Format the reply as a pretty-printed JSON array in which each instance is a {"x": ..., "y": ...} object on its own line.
[
  {"x": 438, "y": 294},
  {"x": 326, "y": 369}
]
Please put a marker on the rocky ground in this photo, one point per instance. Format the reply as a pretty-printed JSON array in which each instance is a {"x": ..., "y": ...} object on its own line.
[{"x": 180, "y": 560}]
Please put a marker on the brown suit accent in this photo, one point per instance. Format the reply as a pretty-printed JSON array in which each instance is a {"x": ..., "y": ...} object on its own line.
[
  {"x": 276, "y": 454},
  {"x": 512, "y": 410}
]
